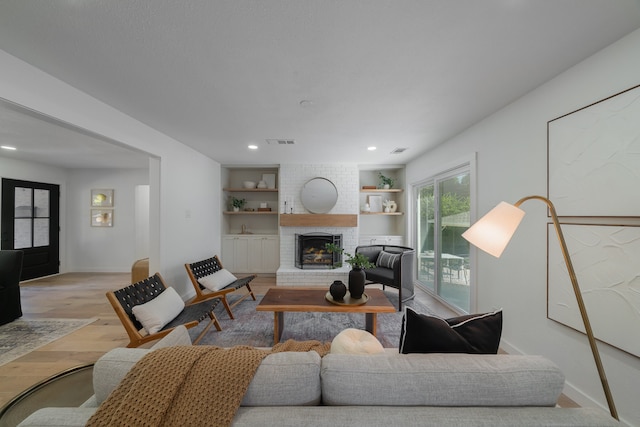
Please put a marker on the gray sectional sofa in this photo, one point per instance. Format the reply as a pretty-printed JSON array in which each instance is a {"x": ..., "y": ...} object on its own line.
[{"x": 302, "y": 389}]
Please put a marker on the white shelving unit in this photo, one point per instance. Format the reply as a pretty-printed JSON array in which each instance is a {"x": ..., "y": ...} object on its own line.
[
  {"x": 251, "y": 243},
  {"x": 382, "y": 227}
]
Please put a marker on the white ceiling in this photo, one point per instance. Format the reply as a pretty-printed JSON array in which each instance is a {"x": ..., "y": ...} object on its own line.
[{"x": 218, "y": 75}]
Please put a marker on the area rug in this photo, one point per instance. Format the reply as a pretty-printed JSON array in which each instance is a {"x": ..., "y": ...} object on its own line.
[
  {"x": 25, "y": 335},
  {"x": 255, "y": 328}
]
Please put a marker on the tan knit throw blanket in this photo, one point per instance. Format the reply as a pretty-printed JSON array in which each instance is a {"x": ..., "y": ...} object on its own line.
[{"x": 188, "y": 386}]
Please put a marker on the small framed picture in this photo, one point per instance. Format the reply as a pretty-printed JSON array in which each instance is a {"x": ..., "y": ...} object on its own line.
[
  {"x": 102, "y": 217},
  {"x": 101, "y": 198},
  {"x": 375, "y": 203}
]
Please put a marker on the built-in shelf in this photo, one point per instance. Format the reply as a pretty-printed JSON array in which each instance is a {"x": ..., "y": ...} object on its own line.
[
  {"x": 251, "y": 190},
  {"x": 381, "y": 213},
  {"x": 250, "y": 213},
  {"x": 381, "y": 190},
  {"x": 318, "y": 220}
]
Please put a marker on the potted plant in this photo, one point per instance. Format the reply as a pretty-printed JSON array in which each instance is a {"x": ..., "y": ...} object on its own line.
[
  {"x": 237, "y": 203},
  {"x": 385, "y": 181},
  {"x": 357, "y": 276}
]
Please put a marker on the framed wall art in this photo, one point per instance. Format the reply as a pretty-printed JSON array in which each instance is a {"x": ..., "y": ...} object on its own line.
[
  {"x": 102, "y": 217},
  {"x": 594, "y": 158},
  {"x": 605, "y": 259},
  {"x": 102, "y": 198}
]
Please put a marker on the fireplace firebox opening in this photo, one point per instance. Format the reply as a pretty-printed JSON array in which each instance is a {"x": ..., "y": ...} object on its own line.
[{"x": 311, "y": 251}]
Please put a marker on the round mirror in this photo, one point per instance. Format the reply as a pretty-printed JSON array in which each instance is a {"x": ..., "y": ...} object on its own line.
[{"x": 319, "y": 195}]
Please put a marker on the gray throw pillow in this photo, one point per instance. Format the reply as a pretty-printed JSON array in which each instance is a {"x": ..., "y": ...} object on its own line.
[{"x": 387, "y": 259}]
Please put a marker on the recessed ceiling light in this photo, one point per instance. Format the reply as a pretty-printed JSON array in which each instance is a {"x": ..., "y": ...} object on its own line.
[
  {"x": 372, "y": 148},
  {"x": 7, "y": 147},
  {"x": 253, "y": 147}
]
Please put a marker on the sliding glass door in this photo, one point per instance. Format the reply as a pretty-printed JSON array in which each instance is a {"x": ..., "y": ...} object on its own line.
[{"x": 442, "y": 215}]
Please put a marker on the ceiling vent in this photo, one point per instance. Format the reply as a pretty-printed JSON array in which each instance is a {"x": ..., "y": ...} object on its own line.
[
  {"x": 398, "y": 150},
  {"x": 281, "y": 141}
]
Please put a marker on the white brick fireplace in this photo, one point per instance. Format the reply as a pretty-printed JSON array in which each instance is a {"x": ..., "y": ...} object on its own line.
[{"x": 292, "y": 177}]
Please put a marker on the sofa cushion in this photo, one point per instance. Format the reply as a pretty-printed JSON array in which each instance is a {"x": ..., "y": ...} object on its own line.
[
  {"x": 440, "y": 380},
  {"x": 387, "y": 259},
  {"x": 218, "y": 280},
  {"x": 356, "y": 341},
  {"x": 479, "y": 333},
  {"x": 161, "y": 310},
  {"x": 286, "y": 378},
  {"x": 111, "y": 368}
]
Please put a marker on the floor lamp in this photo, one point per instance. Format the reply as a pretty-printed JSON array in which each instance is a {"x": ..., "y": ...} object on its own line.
[{"x": 492, "y": 233}]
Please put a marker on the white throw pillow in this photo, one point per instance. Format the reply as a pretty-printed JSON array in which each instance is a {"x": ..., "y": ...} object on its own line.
[
  {"x": 355, "y": 341},
  {"x": 161, "y": 310},
  {"x": 218, "y": 280}
]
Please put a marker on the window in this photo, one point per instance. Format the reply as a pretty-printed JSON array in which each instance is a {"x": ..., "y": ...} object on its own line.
[{"x": 442, "y": 215}]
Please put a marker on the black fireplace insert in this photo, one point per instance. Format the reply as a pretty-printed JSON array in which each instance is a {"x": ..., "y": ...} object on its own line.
[{"x": 311, "y": 251}]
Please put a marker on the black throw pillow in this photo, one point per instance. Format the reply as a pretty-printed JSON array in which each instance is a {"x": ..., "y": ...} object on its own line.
[{"x": 474, "y": 333}]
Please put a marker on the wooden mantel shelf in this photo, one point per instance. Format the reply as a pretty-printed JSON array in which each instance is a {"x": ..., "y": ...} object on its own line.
[{"x": 318, "y": 220}]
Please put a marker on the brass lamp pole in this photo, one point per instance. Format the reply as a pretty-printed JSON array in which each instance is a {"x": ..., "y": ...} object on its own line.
[{"x": 492, "y": 232}]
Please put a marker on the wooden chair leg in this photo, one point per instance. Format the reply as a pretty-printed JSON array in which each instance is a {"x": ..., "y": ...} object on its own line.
[
  {"x": 213, "y": 321},
  {"x": 226, "y": 306},
  {"x": 251, "y": 292}
]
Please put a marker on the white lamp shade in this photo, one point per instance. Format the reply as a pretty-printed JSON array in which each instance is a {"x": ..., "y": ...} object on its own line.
[{"x": 493, "y": 231}]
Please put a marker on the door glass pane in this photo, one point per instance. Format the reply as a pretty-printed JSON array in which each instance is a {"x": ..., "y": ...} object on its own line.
[
  {"x": 454, "y": 213},
  {"x": 426, "y": 265},
  {"x": 41, "y": 232},
  {"x": 23, "y": 202},
  {"x": 22, "y": 233},
  {"x": 41, "y": 203}
]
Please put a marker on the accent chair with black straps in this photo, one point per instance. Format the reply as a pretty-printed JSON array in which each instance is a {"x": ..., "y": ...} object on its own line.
[
  {"x": 124, "y": 301},
  {"x": 199, "y": 271}
]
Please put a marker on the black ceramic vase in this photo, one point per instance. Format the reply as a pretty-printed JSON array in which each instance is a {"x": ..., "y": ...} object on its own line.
[
  {"x": 357, "y": 277},
  {"x": 337, "y": 290}
]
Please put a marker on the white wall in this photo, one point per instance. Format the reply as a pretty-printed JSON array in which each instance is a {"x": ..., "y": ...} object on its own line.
[
  {"x": 102, "y": 249},
  {"x": 185, "y": 185},
  {"x": 511, "y": 148}
]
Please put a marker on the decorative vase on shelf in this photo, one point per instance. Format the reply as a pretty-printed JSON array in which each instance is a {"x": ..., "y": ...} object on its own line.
[
  {"x": 393, "y": 206},
  {"x": 386, "y": 186},
  {"x": 236, "y": 209},
  {"x": 337, "y": 290},
  {"x": 357, "y": 278}
]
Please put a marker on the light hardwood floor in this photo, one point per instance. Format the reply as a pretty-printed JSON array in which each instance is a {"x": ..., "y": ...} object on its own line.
[{"x": 82, "y": 296}]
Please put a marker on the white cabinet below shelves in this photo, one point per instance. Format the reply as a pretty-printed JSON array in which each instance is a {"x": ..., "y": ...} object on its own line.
[
  {"x": 251, "y": 253},
  {"x": 264, "y": 254},
  {"x": 381, "y": 240}
]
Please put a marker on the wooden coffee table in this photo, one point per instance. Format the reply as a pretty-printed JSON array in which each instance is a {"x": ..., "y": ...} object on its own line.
[{"x": 283, "y": 299}]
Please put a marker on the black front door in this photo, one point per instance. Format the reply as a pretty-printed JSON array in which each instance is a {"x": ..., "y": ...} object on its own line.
[{"x": 31, "y": 223}]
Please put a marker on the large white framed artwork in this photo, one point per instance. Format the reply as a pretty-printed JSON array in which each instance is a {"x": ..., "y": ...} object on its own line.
[
  {"x": 594, "y": 158},
  {"x": 605, "y": 259}
]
